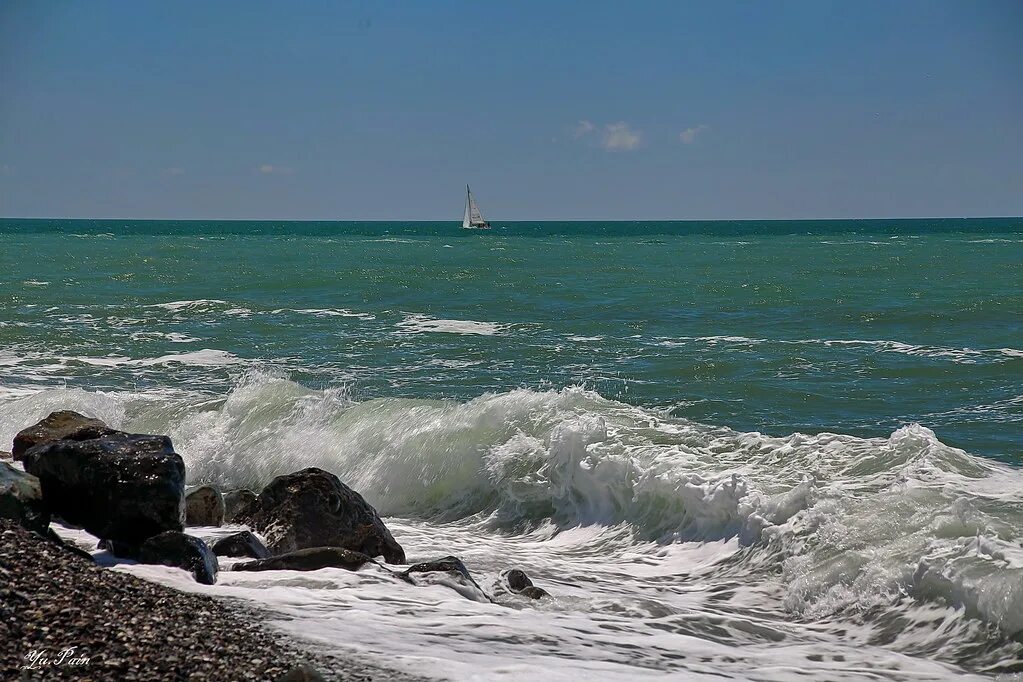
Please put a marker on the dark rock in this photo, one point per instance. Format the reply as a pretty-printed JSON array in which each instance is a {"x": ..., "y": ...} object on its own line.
[
  {"x": 446, "y": 564},
  {"x": 313, "y": 508},
  {"x": 534, "y": 592},
  {"x": 204, "y": 506},
  {"x": 174, "y": 548},
  {"x": 121, "y": 487},
  {"x": 21, "y": 499},
  {"x": 458, "y": 577},
  {"x": 59, "y": 426},
  {"x": 518, "y": 580},
  {"x": 237, "y": 503},
  {"x": 519, "y": 583},
  {"x": 124, "y": 550},
  {"x": 309, "y": 559},
  {"x": 301, "y": 673},
  {"x": 243, "y": 543}
]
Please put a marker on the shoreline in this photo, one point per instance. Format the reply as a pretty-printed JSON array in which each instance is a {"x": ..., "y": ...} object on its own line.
[{"x": 124, "y": 627}]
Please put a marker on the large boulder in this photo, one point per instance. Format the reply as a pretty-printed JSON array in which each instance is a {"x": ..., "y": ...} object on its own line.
[
  {"x": 174, "y": 548},
  {"x": 309, "y": 559},
  {"x": 241, "y": 544},
  {"x": 63, "y": 425},
  {"x": 237, "y": 503},
  {"x": 21, "y": 499},
  {"x": 313, "y": 508},
  {"x": 122, "y": 487},
  {"x": 204, "y": 506}
]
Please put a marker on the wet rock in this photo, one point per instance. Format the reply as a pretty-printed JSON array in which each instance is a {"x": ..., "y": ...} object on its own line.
[
  {"x": 204, "y": 506},
  {"x": 241, "y": 544},
  {"x": 446, "y": 564},
  {"x": 124, "y": 550},
  {"x": 237, "y": 503},
  {"x": 21, "y": 499},
  {"x": 519, "y": 583},
  {"x": 517, "y": 580},
  {"x": 301, "y": 673},
  {"x": 61, "y": 425},
  {"x": 174, "y": 548},
  {"x": 313, "y": 508},
  {"x": 123, "y": 487},
  {"x": 309, "y": 559},
  {"x": 6, "y": 455},
  {"x": 449, "y": 571}
]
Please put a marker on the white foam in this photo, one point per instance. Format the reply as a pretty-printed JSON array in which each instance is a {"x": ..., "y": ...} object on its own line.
[
  {"x": 671, "y": 548},
  {"x": 188, "y": 305},
  {"x": 328, "y": 312},
  {"x": 423, "y": 324}
]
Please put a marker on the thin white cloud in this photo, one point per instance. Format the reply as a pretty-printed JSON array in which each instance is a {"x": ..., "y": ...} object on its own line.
[
  {"x": 689, "y": 135},
  {"x": 270, "y": 169},
  {"x": 612, "y": 137},
  {"x": 619, "y": 137},
  {"x": 582, "y": 128},
  {"x": 6, "y": 170}
]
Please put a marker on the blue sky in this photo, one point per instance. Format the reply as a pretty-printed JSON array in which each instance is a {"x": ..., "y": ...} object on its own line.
[{"x": 552, "y": 110}]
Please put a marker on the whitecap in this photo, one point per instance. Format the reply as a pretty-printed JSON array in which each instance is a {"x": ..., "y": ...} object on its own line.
[{"x": 422, "y": 324}]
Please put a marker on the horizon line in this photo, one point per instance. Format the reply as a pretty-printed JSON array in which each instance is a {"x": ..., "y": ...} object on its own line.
[{"x": 525, "y": 220}]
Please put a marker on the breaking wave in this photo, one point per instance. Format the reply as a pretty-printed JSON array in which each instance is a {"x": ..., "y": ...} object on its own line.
[{"x": 896, "y": 533}]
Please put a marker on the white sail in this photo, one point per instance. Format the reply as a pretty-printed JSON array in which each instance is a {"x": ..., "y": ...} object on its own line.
[{"x": 473, "y": 217}]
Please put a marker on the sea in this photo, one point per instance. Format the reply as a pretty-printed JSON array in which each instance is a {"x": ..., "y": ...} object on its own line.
[{"x": 750, "y": 450}]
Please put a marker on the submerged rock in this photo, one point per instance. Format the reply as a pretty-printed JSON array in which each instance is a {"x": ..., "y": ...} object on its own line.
[
  {"x": 21, "y": 499},
  {"x": 122, "y": 487},
  {"x": 237, "y": 503},
  {"x": 519, "y": 583},
  {"x": 204, "y": 506},
  {"x": 243, "y": 543},
  {"x": 309, "y": 559},
  {"x": 61, "y": 425},
  {"x": 518, "y": 580},
  {"x": 449, "y": 571},
  {"x": 174, "y": 548},
  {"x": 313, "y": 508},
  {"x": 445, "y": 564}
]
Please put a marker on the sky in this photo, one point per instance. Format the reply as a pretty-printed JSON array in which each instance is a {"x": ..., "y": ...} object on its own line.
[{"x": 552, "y": 110}]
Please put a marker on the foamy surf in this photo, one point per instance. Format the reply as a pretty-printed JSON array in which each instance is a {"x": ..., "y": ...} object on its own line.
[
  {"x": 671, "y": 547},
  {"x": 421, "y": 324}
]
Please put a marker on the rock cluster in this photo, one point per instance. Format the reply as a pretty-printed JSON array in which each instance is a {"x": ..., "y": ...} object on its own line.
[{"x": 129, "y": 491}]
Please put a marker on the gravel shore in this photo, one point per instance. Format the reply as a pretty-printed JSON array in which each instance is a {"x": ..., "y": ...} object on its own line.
[{"x": 125, "y": 628}]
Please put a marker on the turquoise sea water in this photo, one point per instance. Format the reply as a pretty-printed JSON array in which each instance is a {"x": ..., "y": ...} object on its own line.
[
  {"x": 772, "y": 451},
  {"x": 850, "y": 327}
]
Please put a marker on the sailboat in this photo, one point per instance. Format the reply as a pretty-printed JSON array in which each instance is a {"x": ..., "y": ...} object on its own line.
[{"x": 473, "y": 219}]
